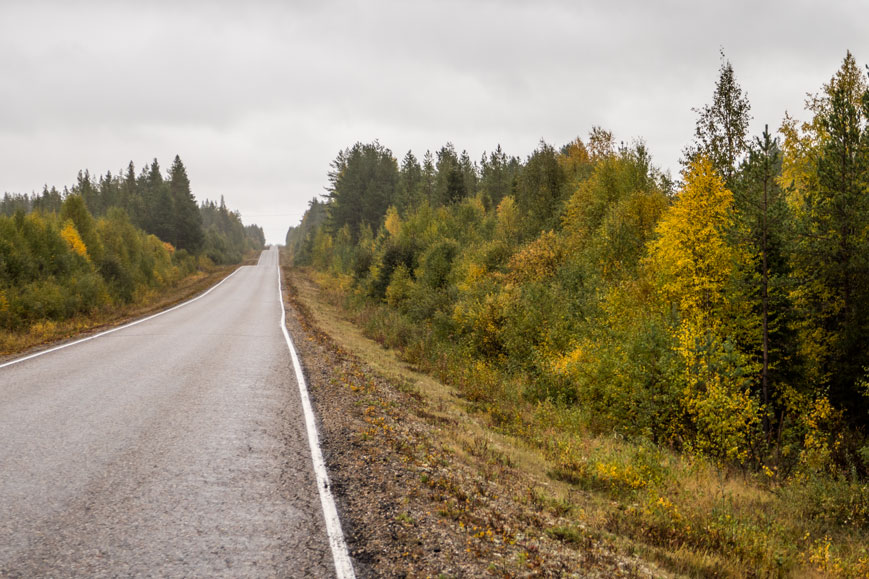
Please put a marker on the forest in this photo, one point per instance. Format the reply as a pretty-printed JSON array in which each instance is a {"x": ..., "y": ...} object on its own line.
[
  {"x": 108, "y": 242},
  {"x": 721, "y": 316}
]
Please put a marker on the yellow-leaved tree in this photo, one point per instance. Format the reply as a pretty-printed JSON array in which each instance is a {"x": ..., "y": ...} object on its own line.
[
  {"x": 392, "y": 221},
  {"x": 70, "y": 234},
  {"x": 694, "y": 263}
]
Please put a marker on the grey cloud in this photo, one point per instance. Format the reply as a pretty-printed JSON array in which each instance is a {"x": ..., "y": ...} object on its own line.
[{"x": 257, "y": 97}]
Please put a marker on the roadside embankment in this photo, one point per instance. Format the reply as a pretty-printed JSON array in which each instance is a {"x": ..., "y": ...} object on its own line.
[{"x": 423, "y": 487}]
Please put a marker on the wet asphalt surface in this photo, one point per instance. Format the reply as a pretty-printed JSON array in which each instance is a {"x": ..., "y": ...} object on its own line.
[{"x": 175, "y": 447}]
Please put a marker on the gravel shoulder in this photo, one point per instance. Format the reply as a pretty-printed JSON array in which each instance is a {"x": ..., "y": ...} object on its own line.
[{"x": 424, "y": 489}]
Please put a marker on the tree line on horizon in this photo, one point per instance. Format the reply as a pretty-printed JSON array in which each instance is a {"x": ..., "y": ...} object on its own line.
[
  {"x": 109, "y": 241},
  {"x": 725, "y": 314}
]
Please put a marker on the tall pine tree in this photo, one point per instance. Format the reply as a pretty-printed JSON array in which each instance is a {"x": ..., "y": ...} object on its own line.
[
  {"x": 187, "y": 222},
  {"x": 363, "y": 182}
]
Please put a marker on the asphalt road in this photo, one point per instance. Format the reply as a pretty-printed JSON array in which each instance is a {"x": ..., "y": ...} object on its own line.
[{"x": 175, "y": 447}]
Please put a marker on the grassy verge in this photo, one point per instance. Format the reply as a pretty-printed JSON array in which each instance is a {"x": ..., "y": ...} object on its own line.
[
  {"x": 426, "y": 489},
  {"x": 46, "y": 333},
  {"x": 686, "y": 515}
]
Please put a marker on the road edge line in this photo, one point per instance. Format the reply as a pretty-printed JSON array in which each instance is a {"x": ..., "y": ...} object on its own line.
[
  {"x": 101, "y": 334},
  {"x": 340, "y": 554}
]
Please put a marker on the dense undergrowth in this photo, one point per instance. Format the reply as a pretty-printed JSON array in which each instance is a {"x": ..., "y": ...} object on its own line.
[{"x": 694, "y": 514}]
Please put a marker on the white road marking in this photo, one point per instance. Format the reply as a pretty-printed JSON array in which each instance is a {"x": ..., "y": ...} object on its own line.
[
  {"x": 95, "y": 336},
  {"x": 343, "y": 565}
]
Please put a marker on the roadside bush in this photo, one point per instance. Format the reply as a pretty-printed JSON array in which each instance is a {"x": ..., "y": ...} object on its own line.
[
  {"x": 436, "y": 263},
  {"x": 85, "y": 294},
  {"x": 394, "y": 256},
  {"x": 38, "y": 300},
  {"x": 831, "y": 501}
]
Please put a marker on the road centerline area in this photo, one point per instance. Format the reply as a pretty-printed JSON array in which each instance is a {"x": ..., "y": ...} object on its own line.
[{"x": 180, "y": 449}]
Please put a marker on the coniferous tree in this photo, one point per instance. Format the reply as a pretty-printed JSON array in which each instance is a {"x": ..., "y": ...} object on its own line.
[
  {"x": 363, "y": 181},
  {"x": 469, "y": 174},
  {"x": 764, "y": 221},
  {"x": 833, "y": 246},
  {"x": 130, "y": 196},
  {"x": 109, "y": 193},
  {"x": 454, "y": 184},
  {"x": 541, "y": 189},
  {"x": 187, "y": 221},
  {"x": 721, "y": 133},
  {"x": 157, "y": 204},
  {"x": 49, "y": 201},
  {"x": 12, "y": 204},
  {"x": 410, "y": 183},
  {"x": 429, "y": 177},
  {"x": 89, "y": 193},
  {"x": 495, "y": 177},
  {"x": 450, "y": 182}
]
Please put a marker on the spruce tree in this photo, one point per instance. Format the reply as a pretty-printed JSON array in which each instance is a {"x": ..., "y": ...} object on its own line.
[
  {"x": 128, "y": 196},
  {"x": 429, "y": 177},
  {"x": 449, "y": 183},
  {"x": 469, "y": 174},
  {"x": 833, "y": 253},
  {"x": 187, "y": 222},
  {"x": 157, "y": 210},
  {"x": 764, "y": 224},
  {"x": 541, "y": 189},
  {"x": 494, "y": 177},
  {"x": 409, "y": 183}
]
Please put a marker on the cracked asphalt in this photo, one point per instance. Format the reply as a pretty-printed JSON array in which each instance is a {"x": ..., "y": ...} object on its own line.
[{"x": 175, "y": 447}]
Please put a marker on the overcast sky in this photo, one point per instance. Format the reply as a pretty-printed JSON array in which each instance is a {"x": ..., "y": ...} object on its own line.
[{"x": 258, "y": 97}]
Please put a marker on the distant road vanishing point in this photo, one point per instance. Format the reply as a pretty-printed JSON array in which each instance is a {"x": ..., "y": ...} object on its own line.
[{"x": 176, "y": 446}]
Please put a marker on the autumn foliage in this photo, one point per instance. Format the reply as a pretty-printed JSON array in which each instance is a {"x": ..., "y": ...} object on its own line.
[
  {"x": 724, "y": 318},
  {"x": 96, "y": 247}
]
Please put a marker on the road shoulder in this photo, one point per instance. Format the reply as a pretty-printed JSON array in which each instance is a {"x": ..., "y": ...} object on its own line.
[{"x": 423, "y": 489}]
